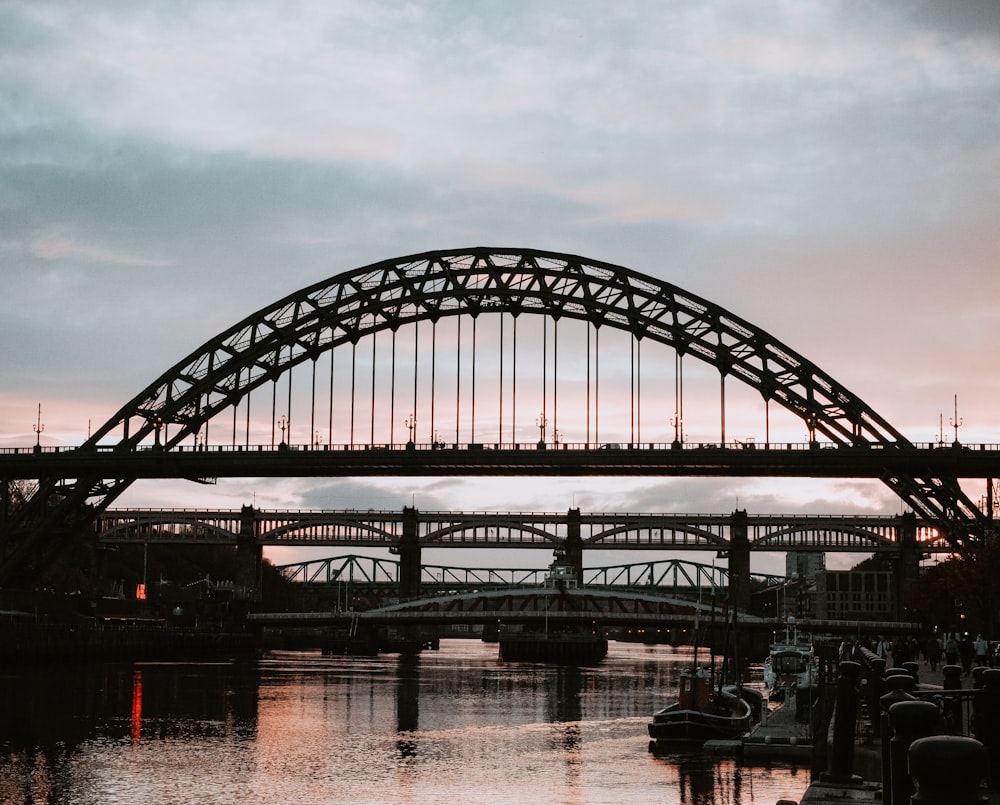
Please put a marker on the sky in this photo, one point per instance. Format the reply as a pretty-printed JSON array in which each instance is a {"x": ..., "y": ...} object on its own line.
[{"x": 829, "y": 171}]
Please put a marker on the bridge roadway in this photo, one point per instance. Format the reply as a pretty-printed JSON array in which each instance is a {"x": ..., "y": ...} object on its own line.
[
  {"x": 549, "y": 530},
  {"x": 810, "y": 459}
]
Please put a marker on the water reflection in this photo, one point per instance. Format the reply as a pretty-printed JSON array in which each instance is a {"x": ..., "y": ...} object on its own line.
[
  {"x": 408, "y": 703},
  {"x": 450, "y": 725}
]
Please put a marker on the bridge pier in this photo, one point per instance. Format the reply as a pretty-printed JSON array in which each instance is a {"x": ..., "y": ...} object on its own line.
[
  {"x": 739, "y": 562},
  {"x": 739, "y": 579},
  {"x": 249, "y": 555},
  {"x": 906, "y": 564},
  {"x": 574, "y": 544},
  {"x": 409, "y": 555}
]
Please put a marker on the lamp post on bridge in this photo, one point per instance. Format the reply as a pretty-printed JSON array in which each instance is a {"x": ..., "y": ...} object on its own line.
[
  {"x": 411, "y": 426},
  {"x": 541, "y": 422},
  {"x": 38, "y": 427},
  {"x": 955, "y": 422}
]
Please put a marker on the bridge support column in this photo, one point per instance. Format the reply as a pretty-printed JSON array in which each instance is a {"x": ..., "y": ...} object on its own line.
[
  {"x": 409, "y": 555},
  {"x": 739, "y": 585},
  {"x": 249, "y": 555},
  {"x": 574, "y": 544},
  {"x": 739, "y": 562},
  {"x": 907, "y": 564}
]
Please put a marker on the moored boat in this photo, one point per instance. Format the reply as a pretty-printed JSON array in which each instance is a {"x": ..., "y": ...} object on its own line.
[
  {"x": 701, "y": 714},
  {"x": 790, "y": 663}
]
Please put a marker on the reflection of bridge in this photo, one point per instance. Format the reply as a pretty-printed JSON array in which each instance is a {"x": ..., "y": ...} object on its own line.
[{"x": 479, "y": 354}]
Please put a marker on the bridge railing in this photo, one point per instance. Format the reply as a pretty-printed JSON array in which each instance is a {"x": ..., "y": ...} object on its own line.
[{"x": 512, "y": 446}]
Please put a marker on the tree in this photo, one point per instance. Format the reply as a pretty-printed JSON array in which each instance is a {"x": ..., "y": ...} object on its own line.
[{"x": 961, "y": 593}]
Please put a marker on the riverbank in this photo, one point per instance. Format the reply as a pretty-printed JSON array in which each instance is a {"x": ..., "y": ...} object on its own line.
[
  {"x": 22, "y": 642},
  {"x": 870, "y": 791}
]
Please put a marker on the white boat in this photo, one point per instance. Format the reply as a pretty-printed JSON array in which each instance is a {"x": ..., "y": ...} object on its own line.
[{"x": 790, "y": 663}]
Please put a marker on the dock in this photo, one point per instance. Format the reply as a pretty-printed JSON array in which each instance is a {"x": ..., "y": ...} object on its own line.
[{"x": 778, "y": 736}]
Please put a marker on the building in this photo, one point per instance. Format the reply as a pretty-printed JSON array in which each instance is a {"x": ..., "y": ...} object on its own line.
[
  {"x": 803, "y": 565},
  {"x": 857, "y": 595}
]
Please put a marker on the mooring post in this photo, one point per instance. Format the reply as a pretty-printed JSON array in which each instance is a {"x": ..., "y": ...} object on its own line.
[
  {"x": 953, "y": 704},
  {"x": 875, "y": 689},
  {"x": 986, "y": 720},
  {"x": 897, "y": 691},
  {"x": 910, "y": 721},
  {"x": 948, "y": 770},
  {"x": 844, "y": 721}
]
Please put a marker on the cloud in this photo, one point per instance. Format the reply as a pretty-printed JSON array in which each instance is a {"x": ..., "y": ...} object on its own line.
[
  {"x": 825, "y": 170},
  {"x": 55, "y": 247}
]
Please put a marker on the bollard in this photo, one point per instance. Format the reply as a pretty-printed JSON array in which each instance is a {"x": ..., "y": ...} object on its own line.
[
  {"x": 844, "y": 720},
  {"x": 986, "y": 720},
  {"x": 876, "y": 688},
  {"x": 896, "y": 686},
  {"x": 948, "y": 770},
  {"x": 909, "y": 720},
  {"x": 953, "y": 706}
]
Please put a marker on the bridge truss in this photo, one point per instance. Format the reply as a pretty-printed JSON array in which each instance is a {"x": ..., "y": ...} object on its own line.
[{"x": 317, "y": 351}]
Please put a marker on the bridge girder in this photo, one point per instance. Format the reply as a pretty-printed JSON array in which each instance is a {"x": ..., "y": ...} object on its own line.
[{"x": 651, "y": 531}]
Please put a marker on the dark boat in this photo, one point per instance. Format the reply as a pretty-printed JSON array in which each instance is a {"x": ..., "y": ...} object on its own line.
[{"x": 701, "y": 714}]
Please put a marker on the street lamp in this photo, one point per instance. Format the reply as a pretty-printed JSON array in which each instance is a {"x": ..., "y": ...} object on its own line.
[
  {"x": 541, "y": 423},
  {"x": 283, "y": 426},
  {"x": 38, "y": 427},
  {"x": 956, "y": 423},
  {"x": 411, "y": 426}
]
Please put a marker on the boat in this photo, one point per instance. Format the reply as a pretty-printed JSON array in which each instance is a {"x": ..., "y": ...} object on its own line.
[
  {"x": 702, "y": 714},
  {"x": 790, "y": 664}
]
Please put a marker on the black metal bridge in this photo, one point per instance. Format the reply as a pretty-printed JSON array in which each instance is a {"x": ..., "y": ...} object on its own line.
[
  {"x": 548, "y": 530},
  {"x": 485, "y": 361}
]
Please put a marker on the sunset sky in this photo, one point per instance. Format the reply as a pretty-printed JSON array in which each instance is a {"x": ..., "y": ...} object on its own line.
[{"x": 829, "y": 171}]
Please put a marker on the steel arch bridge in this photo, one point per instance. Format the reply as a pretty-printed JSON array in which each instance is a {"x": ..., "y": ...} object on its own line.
[
  {"x": 396, "y": 296},
  {"x": 544, "y": 530}
]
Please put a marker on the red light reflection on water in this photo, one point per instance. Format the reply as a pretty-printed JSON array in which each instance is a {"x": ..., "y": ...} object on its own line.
[{"x": 136, "y": 731}]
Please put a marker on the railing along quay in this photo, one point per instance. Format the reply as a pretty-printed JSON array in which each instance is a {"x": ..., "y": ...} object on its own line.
[{"x": 939, "y": 744}]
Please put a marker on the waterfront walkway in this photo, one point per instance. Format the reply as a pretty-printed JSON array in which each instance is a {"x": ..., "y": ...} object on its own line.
[{"x": 870, "y": 791}]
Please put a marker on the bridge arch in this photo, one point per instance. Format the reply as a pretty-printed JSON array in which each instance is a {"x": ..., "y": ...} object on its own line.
[
  {"x": 471, "y": 282},
  {"x": 430, "y": 286}
]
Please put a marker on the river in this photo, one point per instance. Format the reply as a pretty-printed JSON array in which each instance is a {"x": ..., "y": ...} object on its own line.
[{"x": 446, "y": 726}]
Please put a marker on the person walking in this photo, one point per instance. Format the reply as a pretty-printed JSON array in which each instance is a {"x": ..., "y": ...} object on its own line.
[
  {"x": 982, "y": 649},
  {"x": 951, "y": 649},
  {"x": 932, "y": 650}
]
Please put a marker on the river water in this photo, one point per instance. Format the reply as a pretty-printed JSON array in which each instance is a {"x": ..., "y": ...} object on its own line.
[{"x": 447, "y": 726}]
